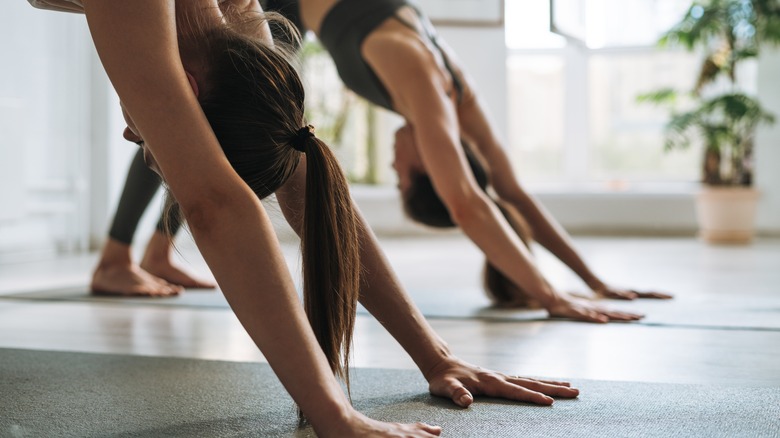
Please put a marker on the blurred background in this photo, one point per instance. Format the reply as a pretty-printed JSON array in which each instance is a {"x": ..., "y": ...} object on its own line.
[{"x": 566, "y": 104}]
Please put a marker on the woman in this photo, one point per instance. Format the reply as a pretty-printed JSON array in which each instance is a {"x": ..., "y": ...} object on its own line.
[
  {"x": 264, "y": 150},
  {"x": 387, "y": 51}
]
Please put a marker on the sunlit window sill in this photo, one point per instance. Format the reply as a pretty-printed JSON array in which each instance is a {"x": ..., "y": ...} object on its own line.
[
  {"x": 639, "y": 208},
  {"x": 616, "y": 189},
  {"x": 588, "y": 189}
]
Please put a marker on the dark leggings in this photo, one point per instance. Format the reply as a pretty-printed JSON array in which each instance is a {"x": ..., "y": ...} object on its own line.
[{"x": 140, "y": 187}]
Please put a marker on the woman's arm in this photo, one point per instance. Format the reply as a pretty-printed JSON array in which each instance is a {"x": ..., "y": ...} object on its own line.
[
  {"x": 136, "y": 41},
  {"x": 546, "y": 230},
  {"x": 383, "y": 296}
]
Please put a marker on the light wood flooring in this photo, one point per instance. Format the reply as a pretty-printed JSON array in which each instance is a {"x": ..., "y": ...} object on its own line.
[{"x": 559, "y": 349}]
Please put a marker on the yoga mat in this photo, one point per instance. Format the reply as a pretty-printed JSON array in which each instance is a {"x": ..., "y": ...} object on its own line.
[
  {"x": 101, "y": 395},
  {"x": 741, "y": 311}
]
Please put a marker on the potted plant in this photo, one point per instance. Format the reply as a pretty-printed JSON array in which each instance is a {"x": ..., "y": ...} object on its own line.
[{"x": 717, "y": 112}]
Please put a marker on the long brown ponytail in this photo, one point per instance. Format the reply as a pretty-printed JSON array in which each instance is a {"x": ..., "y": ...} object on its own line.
[
  {"x": 253, "y": 98},
  {"x": 331, "y": 260}
]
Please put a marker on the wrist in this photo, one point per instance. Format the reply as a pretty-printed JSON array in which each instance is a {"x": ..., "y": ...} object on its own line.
[
  {"x": 437, "y": 358},
  {"x": 551, "y": 297},
  {"x": 334, "y": 420}
]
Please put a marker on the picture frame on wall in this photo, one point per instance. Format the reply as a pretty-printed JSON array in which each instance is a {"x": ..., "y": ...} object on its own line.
[{"x": 474, "y": 13}]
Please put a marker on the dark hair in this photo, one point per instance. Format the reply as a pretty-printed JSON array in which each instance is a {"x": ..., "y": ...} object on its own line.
[
  {"x": 500, "y": 289},
  {"x": 421, "y": 202},
  {"x": 253, "y": 98}
]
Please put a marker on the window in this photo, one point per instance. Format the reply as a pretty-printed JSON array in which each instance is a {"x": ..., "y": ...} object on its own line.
[{"x": 572, "y": 114}]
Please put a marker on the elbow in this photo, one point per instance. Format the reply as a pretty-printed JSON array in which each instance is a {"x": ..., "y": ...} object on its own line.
[
  {"x": 205, "y": 214},
  {"x": 200, "y": 215}
]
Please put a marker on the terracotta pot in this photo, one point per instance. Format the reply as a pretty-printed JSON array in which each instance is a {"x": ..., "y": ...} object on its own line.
[{"x": 726, "y": 214}]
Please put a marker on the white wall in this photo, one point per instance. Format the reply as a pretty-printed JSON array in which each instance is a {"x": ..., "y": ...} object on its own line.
[
  {"x": 482, "y": 52},
  {"x": 768, "y": 144},
  {"x": 44, "y": 123}
]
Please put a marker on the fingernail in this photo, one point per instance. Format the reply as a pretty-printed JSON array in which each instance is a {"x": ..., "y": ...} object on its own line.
[{"x": 465, "y": 399}]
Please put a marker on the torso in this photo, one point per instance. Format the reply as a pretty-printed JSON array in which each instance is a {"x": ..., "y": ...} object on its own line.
[{"x": 344, "y": 27}]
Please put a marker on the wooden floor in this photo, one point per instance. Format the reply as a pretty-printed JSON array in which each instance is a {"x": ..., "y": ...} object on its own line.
[{"x": 554, "y": 349}]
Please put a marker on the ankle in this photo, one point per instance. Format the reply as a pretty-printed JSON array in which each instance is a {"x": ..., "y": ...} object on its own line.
[
  {"x": 115, "y": 253},
  {"x": 158, "y": 250}
]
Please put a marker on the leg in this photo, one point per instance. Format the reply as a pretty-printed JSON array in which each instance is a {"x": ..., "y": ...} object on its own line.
[
  {"x": 158, "y": 258},
  {"x": 116, "y": 274}
]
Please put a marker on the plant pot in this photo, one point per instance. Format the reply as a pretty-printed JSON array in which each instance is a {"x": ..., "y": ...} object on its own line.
[{"x": 726, "y": 215}]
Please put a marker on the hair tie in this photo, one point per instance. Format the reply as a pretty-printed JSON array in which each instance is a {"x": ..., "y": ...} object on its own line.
[{"x": 298, "y": 142}]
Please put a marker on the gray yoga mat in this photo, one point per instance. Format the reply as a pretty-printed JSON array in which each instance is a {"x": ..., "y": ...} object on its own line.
[
  {"x": 739, "y": 311},
  {"x": 101, "y": 395}
]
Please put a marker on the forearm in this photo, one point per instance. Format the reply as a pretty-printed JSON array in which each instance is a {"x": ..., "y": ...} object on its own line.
[
  {"x": 550, "y": 234},
  {"x": 239, "y": 245},
  {"x": 483, "y": 223},
  {"x": 546, "y": 230},
  {"x": 383, "y": 295}
]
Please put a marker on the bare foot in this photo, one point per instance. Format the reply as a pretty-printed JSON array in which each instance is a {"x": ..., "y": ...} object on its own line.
[
  {"x": 128, "y": 279},
  {"x": 158, "y": 260},
  {"x": 167, "y": 271}
]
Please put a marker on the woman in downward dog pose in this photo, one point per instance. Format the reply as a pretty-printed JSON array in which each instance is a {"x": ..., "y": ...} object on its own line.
[
  {"x": 388, "y": 52},
  {"x": 219, "y": 115}
]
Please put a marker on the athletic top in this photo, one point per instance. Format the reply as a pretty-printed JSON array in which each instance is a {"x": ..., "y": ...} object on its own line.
[
  {"x": 59, "y": 5},
  {"x": 343, "y": 31}
]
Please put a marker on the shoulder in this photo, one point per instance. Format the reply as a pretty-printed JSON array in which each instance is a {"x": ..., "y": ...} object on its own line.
[
  {"x": 404, "y": 64},
  {"x": 396, "y": 49}
]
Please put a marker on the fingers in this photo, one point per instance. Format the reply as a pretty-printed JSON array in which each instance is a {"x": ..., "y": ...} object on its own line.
[
  {"x": 602, "y": 316},
  {"x": 504, "y": 388},
  {"x": 550, "y": 389},
  {"x": 607, "y": 315},
  {"x": 598, "y": 317},
  {"x": 551, "y": 382},
  {"x": 579, "y": 314},
  {"x": 620, "y": 294},
  {"x": 428, "y": 429},
  {"x": 622, "y": 316},
  {"x": 654, "y": 295},
  {"x": 453, "y": 389}
]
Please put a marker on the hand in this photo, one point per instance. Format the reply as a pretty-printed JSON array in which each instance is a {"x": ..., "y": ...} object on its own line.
[
  {"x": 359, "y": 425},
  {"x": 616, "y": 293},
  {"x": 581, "y": 310},
  {"x": 460, "y": 381}
]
